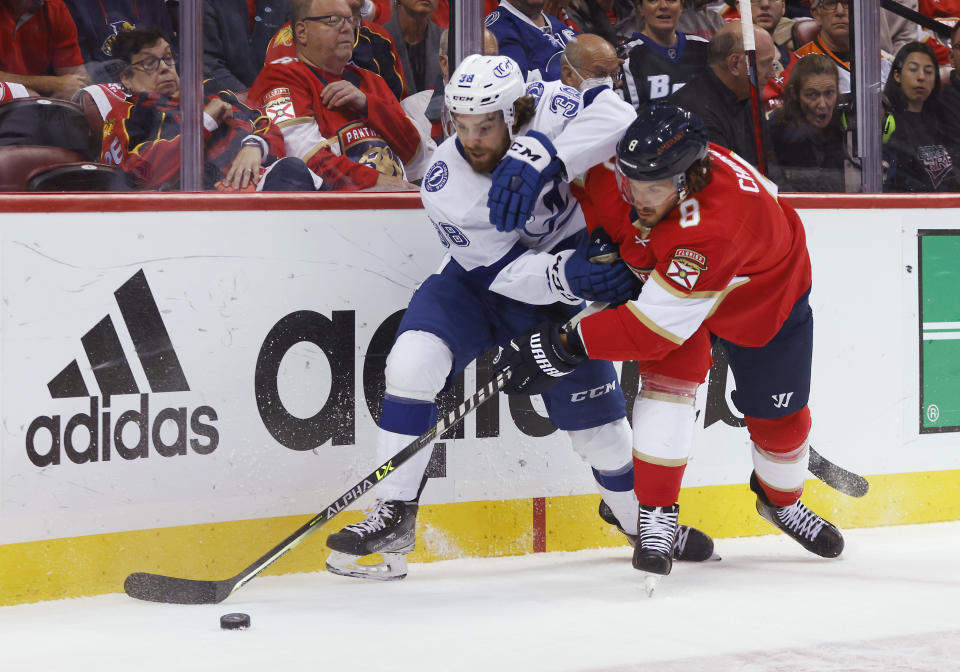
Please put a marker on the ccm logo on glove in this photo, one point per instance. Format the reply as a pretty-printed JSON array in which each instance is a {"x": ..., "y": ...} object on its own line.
[{"x": 524, "y": 152}]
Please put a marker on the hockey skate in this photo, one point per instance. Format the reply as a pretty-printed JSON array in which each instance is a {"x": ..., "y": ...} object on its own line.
[
  {"x": 815, "y": 534},
  {"x": 653, "y": 552},
  {"x": 691, "y": 544},
  {"x": 388, "y": 530}
]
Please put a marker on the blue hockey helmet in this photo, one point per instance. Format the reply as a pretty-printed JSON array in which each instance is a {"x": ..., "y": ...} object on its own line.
[{"x": 662, "y": 142}]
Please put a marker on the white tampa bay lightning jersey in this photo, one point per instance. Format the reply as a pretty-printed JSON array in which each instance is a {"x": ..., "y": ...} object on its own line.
[{"x": 516, "y": 264}]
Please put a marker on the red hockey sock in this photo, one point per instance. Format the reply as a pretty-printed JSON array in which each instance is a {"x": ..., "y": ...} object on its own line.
[
  {"x": 780, "y": 455},
  {"x": 656, "y": 484}
]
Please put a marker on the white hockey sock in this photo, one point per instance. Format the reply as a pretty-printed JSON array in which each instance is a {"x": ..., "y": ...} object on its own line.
[
  {"x": 404, "y": 483},
  {"x": 624, "y": 505}
]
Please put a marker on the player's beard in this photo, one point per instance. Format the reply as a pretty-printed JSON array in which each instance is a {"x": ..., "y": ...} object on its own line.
[
  {"x": 491, "y": 160},
  {"x": 649, "y": 217}
]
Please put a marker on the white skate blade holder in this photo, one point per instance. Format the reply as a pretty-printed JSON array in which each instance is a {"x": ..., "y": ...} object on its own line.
[
  {"x": 376, "y": 566},
  {"x": 650, "y": 583}
]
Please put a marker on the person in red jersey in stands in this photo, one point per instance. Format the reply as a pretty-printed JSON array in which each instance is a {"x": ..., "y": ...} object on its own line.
[
  {"x": 342, "y": 120},
  {"x": 39, "y": 47},
  {"x": 141, "y": 133}
]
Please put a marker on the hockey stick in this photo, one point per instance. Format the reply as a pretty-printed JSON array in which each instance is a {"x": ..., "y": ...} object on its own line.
[
  {"x": 756, "y": 86},
  {"x": 172, "y": 590},
  {"x": 836, "y": 477}
]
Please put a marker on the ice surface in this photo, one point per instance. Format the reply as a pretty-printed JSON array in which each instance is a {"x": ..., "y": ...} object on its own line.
[{"x": 891, "y": 602}]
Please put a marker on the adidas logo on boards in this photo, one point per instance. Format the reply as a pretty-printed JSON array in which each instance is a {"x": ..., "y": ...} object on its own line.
[{"x": 113, "y": 375}]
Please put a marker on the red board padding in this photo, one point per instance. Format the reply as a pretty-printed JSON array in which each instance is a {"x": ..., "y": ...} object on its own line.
[
  {"x": 170, "y": 202},
  {"x": 215, "y": 202}
]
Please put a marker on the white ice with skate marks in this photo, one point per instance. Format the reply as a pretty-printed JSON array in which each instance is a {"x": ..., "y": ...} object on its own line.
[{"x": 889, "y": 603}]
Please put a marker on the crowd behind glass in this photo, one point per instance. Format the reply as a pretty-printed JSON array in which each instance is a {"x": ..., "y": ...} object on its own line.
[{"x": 347, "y": 94}]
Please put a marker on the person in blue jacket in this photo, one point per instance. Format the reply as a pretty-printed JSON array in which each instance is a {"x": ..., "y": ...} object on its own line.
[{"x": 531, "y": 38}]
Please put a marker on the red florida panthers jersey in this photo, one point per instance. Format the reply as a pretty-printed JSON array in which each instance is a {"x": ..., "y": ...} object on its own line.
[
  {"x": 731, "y": 257},
  {"x": 347, "y": 148},
  {"x": 141, "y": 134}
]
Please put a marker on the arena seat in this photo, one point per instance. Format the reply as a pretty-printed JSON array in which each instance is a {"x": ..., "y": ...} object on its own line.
[
  {"x": 79, "y": 176},
  {"x": 18, "y": 162},
  {"x": 804, "y": 31},
  {"x": 48, "y": 122}
]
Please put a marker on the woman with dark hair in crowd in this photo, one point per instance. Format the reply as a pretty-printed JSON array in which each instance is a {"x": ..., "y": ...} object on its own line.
[
  {"x": 242, "y": 150},
  {"x": 805, "y": 152},
  {"x": 915, "y": 146}
]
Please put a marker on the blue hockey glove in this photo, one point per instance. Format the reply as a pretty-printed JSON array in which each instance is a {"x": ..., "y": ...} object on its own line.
[
  {"x": 579, "y": 276},
  {"x": 537, "y": 360},
  {"x": 528, "y": 165}
]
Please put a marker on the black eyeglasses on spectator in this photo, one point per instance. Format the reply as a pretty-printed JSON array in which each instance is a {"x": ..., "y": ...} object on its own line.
[
  {"x": 334, "y": 20},
  {"x": 152, "y": 63},
  {"x": 831, "y": 5}
]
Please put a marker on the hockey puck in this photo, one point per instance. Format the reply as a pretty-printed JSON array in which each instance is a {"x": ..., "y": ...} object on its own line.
[{"x": 235, "y": 621}]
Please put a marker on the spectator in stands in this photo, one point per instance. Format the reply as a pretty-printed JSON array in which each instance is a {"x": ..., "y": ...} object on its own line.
[
  {"x": 590, "y": 61},
  {"x": 805, "y": 152},
  {"x": 896, "y": 31},
  {"x": 699, "y": 19},
  {"x": 39, "y": 48},
  {"x": 660, "y": 59},
  {"x": 950, "y": 97},
  {"x": 720, "y": 95},
  {"x": 341, "y": 119},
  {"x": 380, "y": 11},
  {"x": 915, "y": 146},
  {"x": 435, "y": 111},
  {"x": 417, "y": 40},
  {"x": 768, "y": 14},
  {"x": 241, "y": 148},
  {"x": 833, "y": 38},
  {"x": 616, "y": 21},
  {"x": 531, "y": 38},
  {"x": 235, "y": 38},
  {"x": 98, "y": 24},
  {"x": 833, "y": 35},
  {"x": 490, "y": 48},
  {"x": 373, "y": 50}
]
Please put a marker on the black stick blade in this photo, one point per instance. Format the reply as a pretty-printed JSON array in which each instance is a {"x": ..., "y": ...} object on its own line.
[
  {"x": 170, "y": 590},
  {"x": 838, "y": 478}
]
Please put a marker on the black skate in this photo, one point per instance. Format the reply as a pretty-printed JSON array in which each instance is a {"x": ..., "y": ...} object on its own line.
[
  {"x": 653, "y": 552},
  {"x": 388, "y": 529},
  {"x": 815, "y": 534},
  {"x": 691, "y": 544}
]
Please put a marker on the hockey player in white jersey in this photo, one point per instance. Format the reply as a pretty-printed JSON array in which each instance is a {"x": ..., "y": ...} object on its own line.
[{"x": 493, "y": 283}]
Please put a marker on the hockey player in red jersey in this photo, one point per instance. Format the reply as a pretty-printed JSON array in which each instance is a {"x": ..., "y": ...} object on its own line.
[{"x": 724, "y": 260}]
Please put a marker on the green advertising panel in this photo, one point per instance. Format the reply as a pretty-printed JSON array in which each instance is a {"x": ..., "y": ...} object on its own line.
[{"x": 939, "y": 331}]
